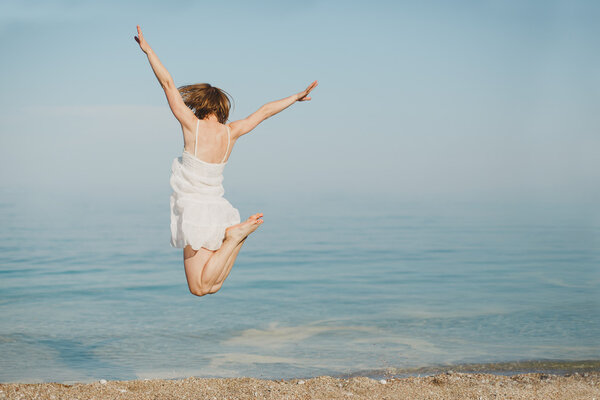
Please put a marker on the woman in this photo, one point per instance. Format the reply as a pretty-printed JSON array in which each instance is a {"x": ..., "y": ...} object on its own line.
[{"x": 203, "y": 222}]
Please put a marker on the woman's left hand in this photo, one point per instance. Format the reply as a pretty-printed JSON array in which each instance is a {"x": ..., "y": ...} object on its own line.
[
  {"x": 141, "y": 41},
  {"x": 302, "y": 95}
]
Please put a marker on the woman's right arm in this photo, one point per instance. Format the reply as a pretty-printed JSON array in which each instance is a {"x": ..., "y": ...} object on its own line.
[{"x": 184, "y": 115}]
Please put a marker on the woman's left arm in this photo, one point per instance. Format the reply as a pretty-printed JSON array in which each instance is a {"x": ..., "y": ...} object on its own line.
[
  {"x": 277, "y": 106},
  {"x": 243, "y": 126},
  {"x": 184, "y": 115}
]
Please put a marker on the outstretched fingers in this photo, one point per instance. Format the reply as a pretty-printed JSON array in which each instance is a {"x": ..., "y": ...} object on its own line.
[
  {"x": 304, "y": 96},
  {"x": 140, "y": 40}
]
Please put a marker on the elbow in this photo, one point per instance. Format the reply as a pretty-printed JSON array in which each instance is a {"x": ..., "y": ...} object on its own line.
[
  {"x": 267, "y": 112},
  {"x": 167, "y": 84}
]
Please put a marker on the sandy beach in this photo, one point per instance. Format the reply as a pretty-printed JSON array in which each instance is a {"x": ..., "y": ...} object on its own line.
[{"x": 450, "y": 385}]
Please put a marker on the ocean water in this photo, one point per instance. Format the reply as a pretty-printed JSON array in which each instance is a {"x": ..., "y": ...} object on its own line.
[{"x": 90, "y": 288}]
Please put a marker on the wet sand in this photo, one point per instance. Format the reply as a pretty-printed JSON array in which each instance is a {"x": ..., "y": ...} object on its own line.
[{"x": 449, "y": 385}]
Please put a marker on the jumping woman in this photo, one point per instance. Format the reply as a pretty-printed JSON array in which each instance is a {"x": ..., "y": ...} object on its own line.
[{"x": 203, "y": 222}]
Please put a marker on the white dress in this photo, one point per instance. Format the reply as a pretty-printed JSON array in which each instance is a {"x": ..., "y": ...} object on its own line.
[{"x": 199, "y": 212}]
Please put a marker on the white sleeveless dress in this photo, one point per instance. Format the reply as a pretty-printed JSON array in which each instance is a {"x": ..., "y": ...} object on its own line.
[{"x": 199, "y": 212}]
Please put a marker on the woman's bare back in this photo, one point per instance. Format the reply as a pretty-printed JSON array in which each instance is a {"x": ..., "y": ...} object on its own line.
[{"x": 215, "y": 141}]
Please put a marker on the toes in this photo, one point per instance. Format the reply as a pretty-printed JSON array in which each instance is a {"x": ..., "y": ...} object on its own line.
[
  {"x": 255, "y": 219},
  {"x": 255, "y": 216}
]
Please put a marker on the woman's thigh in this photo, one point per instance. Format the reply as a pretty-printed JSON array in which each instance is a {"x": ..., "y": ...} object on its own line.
[{"x": 194, "y": 262}]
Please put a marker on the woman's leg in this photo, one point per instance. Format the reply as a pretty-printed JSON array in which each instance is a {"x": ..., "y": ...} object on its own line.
[
  {"x": 232, "y": 258},
  {"x": 204, "y": 267},
  {"x": 215, "y": 288},
  {"x": 194, "y": 261}
]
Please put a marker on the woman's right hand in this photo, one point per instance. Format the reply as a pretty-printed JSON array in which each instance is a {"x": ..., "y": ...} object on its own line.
[{"x": 141, "y": 41}]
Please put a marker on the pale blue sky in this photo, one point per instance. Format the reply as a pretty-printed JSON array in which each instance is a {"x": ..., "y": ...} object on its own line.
[{"x": 416, "y": 100}]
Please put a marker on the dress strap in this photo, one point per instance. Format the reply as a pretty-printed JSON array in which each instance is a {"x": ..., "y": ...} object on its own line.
[
  {"x": 228, "y": 142},
  {"x": 196, "y": 143}
]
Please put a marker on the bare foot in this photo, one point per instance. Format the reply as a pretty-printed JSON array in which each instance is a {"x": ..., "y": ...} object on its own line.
[{"x": 242, "y": 230}]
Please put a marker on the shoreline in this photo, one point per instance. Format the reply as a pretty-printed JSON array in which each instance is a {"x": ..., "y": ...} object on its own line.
[
  {"x": 553, "y": 367},
  {"x": 448, "y": 385},
  {"x": 507, "y": 368}
]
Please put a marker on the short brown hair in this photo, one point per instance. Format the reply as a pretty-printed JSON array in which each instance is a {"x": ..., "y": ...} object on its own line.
[{"x": 204, "y": 99}]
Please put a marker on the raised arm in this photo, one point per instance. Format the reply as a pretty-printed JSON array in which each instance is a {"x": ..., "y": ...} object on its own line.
[
  {"x": 243, "y": 126},
  {"x": 184, "y": 115}
]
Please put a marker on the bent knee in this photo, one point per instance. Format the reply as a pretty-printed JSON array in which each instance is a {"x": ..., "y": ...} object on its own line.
[
  {"x": 203, "y": 291},
  {"x": 198, "y": 291}
]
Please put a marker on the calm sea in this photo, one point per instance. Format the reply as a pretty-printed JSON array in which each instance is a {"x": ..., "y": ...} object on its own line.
[{"x": 90, "y": 288}]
